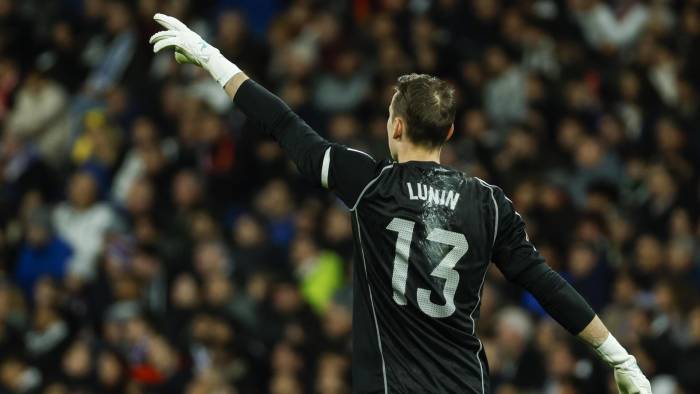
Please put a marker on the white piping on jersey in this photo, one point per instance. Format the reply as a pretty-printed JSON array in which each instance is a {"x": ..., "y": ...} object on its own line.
[
  {"x": 371, "y": 302},
  {"x": 478, "y": 294},
  {"x": 481, "y": 346},
  {"x": 495, "y": 207},
  {"x": 370, "y": 183},
  {"x": 359, "y": 151},
  {"x": 495, "y": 221},
  {"x": 324, "y": 167},
  {"x": 481, "y": 368}
]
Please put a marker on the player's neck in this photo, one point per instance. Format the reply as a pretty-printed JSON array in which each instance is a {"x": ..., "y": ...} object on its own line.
[{"x": 413, "y": 153}]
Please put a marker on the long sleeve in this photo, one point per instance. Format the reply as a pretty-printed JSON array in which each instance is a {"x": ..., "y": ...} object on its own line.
[
  {"x": 521, "y": 263},
  {"x": 344, "y": 170}
]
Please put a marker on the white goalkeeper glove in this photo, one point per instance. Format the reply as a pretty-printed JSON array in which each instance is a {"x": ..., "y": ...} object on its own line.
[
  {"x": 191, "y": 48},
  {"x": 628, "y": 377}
]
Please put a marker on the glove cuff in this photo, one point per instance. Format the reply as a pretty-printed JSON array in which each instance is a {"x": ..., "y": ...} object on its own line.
[
  {"x": 613, "y": 353},
  {"x": 221, "y": 68}
]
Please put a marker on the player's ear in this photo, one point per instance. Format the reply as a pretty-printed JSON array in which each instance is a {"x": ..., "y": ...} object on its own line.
[
  {"x": 399, "y": 128},
  {"x": 450, "y": 132}
]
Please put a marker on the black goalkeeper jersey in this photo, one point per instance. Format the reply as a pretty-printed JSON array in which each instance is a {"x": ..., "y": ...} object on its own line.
[{"x": 424, "y": 237}]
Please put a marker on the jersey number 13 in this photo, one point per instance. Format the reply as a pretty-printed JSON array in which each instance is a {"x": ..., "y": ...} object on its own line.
[{"x": 444, "y": 270}]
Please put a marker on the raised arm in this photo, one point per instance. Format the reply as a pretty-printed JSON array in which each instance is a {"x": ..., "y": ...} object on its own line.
[
  {"x": 336, "y": 167},
  {"x": 522, "y": 264}
]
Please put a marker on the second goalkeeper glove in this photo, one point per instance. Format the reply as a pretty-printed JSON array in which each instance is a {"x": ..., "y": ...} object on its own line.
[{"x": 628, "y": 376}]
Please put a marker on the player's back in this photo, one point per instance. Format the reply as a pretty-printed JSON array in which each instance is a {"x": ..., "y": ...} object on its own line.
[{"x": 424, "y": 235}]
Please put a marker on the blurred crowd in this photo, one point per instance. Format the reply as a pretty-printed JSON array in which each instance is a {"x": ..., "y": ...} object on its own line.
[{"x": 153, "y": 241}]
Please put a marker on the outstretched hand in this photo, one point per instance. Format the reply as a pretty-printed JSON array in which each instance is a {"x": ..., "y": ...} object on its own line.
[{"x": 191, "y": 48}]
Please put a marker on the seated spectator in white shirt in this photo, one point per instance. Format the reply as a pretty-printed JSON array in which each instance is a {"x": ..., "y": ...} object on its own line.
[{"x": 82, "y": 221}]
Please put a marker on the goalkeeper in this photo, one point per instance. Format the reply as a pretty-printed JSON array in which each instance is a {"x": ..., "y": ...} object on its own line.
[{"x": 424, "y": 237}]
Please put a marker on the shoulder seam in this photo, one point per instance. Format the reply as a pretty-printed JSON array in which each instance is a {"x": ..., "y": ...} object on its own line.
[{"x": 370, "y": 183}]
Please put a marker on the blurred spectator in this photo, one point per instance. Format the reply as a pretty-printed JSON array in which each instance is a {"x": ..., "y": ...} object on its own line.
[
  {"x": 607, "y": 28},
  {"x": 44, "y": 253},
  {"x": 320, "y": 273},
  {"x": 40, "y": 114},
  {"x": 23, "y": 172},
  {"x": 504, "y": 93},
  {"x": 83, "y": 221},
  {"x": 112, "y": 51}
]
